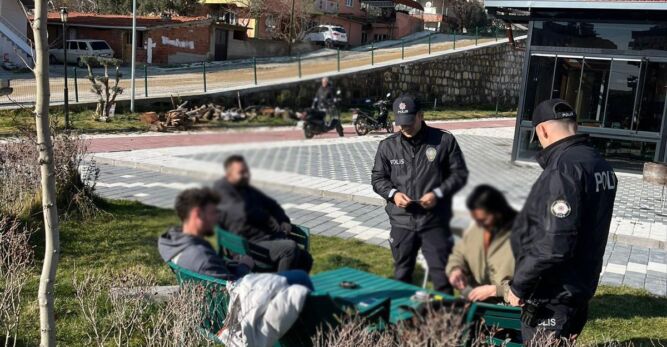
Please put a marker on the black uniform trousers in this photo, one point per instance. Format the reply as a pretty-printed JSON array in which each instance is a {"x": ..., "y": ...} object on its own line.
[
  {"x": 436, "y": 244},
  {"x": 556, "y": 321}
]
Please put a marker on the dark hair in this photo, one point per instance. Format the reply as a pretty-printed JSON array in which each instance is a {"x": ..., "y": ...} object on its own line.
[
  {"x": 234, "y": 158},
  {"x": 192, "y": 198},
  {"x": 492, "y": 200}
]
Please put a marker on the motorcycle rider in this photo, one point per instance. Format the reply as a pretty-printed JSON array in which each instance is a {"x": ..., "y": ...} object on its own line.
[{"x": 325, "y": 95}]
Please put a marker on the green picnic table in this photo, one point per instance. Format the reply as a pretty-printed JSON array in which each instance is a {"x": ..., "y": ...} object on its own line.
[{"x": 371, "y": 288}]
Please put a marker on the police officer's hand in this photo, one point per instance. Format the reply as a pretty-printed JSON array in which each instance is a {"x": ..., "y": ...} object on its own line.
[
  {"x": 482, "y": 293},
  {"x": 458, "y": 279},
  {"x": 513, "y": 299},
  {"x": 428, "y": 201},
  {"x": 401, "y": 200}
]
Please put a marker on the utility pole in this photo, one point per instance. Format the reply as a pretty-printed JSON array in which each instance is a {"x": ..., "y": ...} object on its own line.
[{"x": 134, "y": 53}]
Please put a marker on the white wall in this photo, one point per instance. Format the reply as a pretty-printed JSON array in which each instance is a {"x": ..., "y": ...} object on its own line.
[{"x": 12, "y": 16}]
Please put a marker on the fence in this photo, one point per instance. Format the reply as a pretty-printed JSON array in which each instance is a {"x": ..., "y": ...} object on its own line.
[{"x": 220, "y": 76}]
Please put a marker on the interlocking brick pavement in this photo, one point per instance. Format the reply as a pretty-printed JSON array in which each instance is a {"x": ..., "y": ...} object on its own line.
[{"x": 634, "y": 266}]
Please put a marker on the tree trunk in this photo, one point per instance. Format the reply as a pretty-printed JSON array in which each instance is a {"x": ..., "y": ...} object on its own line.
[{"x": 48, "y": 181}]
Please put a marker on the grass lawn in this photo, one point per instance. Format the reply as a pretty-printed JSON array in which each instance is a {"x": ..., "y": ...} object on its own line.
[
  {"x": 126, "y": 237},
  {"x": 12, "y": 120}
]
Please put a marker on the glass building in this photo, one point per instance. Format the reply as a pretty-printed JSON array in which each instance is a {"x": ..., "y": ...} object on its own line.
[{"x": 609, "y": 60}]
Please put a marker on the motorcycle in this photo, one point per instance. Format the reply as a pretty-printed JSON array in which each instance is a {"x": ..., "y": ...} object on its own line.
[
  {"x": 314, "y": 121},
  {"x": 375, "y": 119}
]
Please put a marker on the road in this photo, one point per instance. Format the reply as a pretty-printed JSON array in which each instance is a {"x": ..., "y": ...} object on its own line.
[{"x": 226, "y": 76}]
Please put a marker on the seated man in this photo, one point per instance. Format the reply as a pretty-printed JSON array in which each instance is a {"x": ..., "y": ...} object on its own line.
[
  {"x": 482, "y": 264},
  {"x": 249, "y": 213},
  {"x": 187, "y": 247}
]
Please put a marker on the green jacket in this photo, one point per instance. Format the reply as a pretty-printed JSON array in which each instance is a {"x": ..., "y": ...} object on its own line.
[{"x": 496, "y": 267}]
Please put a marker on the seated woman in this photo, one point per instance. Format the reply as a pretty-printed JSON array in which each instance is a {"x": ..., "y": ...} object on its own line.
[{"x": 482, "y": 264}]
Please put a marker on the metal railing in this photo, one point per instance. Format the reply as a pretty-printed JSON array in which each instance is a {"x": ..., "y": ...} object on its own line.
[{"x": 215, "y": 77}]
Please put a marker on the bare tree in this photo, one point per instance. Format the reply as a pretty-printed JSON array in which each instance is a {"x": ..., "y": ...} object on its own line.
[
  {"x": 45, "y": 295},
  {"x": 102, "y": 86},
  {"x": 282, "y": 23}
]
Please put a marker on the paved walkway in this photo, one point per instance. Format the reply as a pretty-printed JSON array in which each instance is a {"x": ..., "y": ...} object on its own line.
[
  {"x": 114, "y": 143},
  {"x": 328, "y": 179}
]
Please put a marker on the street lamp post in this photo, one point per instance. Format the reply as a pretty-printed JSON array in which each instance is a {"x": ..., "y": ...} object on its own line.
[{"x": 63, "y": 19}]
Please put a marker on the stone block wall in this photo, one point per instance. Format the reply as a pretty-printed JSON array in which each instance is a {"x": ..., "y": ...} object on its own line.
[
  {"x": 477, "y": 78},
  {"x": 474, "y": 78}
]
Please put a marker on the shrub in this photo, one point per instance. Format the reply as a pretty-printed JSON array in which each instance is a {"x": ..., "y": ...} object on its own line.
[
  {"x": 16, "y": 264},
  {"x": 20, "y": 177}
]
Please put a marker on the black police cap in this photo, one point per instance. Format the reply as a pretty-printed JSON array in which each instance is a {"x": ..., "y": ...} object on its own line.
[
  {"x": 553, "y": 109},
  {"x": 406, "y": 108}
]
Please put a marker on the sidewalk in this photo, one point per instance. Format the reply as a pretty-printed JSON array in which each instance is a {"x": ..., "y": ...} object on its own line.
[
  {"x": 115, "y": 143},
  {"x": 246, "y": 75},
  {"x": 328, "y": 180}
]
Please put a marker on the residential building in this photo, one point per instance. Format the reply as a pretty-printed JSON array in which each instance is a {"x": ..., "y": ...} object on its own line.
[
  {"x": 609, "y": 60},
  {"x": 364, "y": 20},
  {"x": 160, "y": 40},
  {"x": 15, "y": 47}
]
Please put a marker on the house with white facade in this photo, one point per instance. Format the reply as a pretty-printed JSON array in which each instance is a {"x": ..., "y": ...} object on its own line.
[{"x": 14, "y": 44}]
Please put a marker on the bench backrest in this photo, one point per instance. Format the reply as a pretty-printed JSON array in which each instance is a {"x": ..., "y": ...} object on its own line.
[{"x": 215, "y": 294}]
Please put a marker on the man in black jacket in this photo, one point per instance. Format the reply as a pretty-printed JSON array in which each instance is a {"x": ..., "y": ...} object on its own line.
[
  {"x": 324, "y": 95},
  {"x": 559, "y": 238},
  {"x": 418, "y": 171},
  {"x": 248, "y": 212}
]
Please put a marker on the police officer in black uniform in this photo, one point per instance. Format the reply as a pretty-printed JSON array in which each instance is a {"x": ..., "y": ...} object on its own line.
[
  {"x": 418, "y": 171},
  {"x": 559, "y": 237}
]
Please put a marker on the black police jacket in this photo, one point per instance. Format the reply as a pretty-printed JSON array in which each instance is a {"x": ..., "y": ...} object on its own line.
[
  {"x": 430, "y": 162},
  {"x": 248, "y": 212},
  {"x": 559, "y": 237}
]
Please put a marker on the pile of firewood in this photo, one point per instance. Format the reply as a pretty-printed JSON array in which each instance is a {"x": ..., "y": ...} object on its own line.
[{"x": 182, "y": 117}]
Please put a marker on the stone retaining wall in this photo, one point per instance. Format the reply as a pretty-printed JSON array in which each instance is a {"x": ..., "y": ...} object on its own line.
[{"x": 479, "y": 78}]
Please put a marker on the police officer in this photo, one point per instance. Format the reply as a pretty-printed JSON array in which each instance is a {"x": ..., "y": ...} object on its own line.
[
  {"x": 559, "y": 237},
  {"x": 418, "y": 171}
]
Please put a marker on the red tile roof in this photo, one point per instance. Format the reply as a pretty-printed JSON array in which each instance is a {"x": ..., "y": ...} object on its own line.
[{"x": 110, "y": 20}]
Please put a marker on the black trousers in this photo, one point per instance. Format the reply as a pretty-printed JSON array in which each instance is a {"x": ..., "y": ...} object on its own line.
[
  {"x": 555, "y": 321},
  {"x": 285, "y": 254},
  {"x": 436, "y": 245}
]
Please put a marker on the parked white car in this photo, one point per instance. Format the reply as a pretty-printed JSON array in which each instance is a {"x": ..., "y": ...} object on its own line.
[
  {"x": 329, "y": 35},
  {"x": 76, "y": 49}
]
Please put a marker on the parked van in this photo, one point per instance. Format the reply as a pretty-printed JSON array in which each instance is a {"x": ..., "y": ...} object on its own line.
[{"x": 77, "y": 49}]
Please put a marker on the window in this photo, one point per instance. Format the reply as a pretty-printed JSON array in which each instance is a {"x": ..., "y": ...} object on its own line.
[
  {"x": 623, "y": 86},
  {"x": 593, "y": 92},
  {"x": 339, "y": 29},
  {"x": 566, "y": 79},
  {"x": 654, "y": 93},
  {"x": 625, "y": 154},
  {"x": 83, "y": 46},
  {"x": 617, "y": 36},
  {"x": 99, "y": 45},
  {"x": 540, "y": 80},
  {"x": 73, "y": 45},
  {"x": 349, "y": 3}
]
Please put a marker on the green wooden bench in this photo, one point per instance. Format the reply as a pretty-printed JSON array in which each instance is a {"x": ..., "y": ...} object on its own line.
[
  {"x": 503, "y": 321},
  {"x": 371, "y": 287},
  {"x": 321, "y": 310},
  {"x": 232, "y": 244}
]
